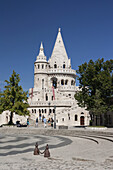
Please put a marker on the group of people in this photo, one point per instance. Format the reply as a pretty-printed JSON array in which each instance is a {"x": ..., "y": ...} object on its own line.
[{"x": 44, "y": 120}]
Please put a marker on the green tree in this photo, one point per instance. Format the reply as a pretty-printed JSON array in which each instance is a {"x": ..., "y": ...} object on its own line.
[
  {"x": 96, "y": 86},
  {"x": 13, "y": 98}
]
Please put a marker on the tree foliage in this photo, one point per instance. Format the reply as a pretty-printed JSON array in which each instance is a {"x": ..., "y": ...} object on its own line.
[
  {"x": 96, "y": 86},
  {"x": 13, "y": 98}
]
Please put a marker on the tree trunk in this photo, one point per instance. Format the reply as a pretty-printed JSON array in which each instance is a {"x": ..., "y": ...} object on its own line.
[{"x": 11, "y": 119}]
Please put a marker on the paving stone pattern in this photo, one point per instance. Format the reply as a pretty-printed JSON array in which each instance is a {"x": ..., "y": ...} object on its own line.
[{"x": 69, "y": 149}]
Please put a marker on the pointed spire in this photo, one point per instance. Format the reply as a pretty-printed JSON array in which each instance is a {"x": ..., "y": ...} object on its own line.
[
  {"x": 59, "y": 50},
  {"x": 41, "y": 46},
  {"x": 41, "y": 55}
]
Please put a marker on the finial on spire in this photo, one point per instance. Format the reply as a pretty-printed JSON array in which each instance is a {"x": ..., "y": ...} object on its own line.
[
  {"x": 41, "y": 46},
  {"x": 59, "y": 29}
]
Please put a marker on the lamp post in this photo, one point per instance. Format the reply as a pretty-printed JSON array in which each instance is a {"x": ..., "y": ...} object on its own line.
[{"x": 54, "y": 117}]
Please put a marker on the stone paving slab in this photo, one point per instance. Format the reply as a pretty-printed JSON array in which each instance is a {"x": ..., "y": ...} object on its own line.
[{"x": 68, "y": 152}]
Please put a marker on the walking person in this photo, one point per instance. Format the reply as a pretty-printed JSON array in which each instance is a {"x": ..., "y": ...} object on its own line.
[
  {"x": 36, "y": 122},
  {"x": 28, "y": 122},
  {"x": 45, "y": 121}
]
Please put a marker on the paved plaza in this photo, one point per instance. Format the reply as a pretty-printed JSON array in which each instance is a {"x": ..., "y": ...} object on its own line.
[{"x": 70, "y": 149}]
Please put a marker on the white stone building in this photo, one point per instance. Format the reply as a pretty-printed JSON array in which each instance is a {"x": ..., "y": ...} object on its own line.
[{"x": 46, "y": 100}]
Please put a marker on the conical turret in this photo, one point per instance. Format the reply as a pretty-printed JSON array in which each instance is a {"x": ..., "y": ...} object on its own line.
[
  {"x": 41, "y": 56},
  {"x": 59, "y": 55}
]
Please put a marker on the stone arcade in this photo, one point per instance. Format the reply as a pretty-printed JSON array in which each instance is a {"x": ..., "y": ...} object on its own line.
[{"x": 54, "y": 88}]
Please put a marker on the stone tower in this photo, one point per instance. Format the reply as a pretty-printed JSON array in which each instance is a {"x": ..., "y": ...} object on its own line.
[{"x": 54, "y": 88}]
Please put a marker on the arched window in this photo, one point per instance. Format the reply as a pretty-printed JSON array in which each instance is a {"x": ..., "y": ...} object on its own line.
[
  {"x": 72, "y": 82},
  {"x": 42, "y": 83},
  {"x": 66, "y": 81},
  {"x": 54, "y": 82},
  {"x": 38, "y": 66},
  {"x": 62, "y": 82},
  {"x": 52, "y": 98},
  {"x": 53, "y": 110},
  {"x": 64, "y": 66},
  {"x": 42, "y": 111},
  {"x": 76, "y": 117},
  {"x": 46, "y": 97},
  {"x": 42, "y": 66},
  {"x": 55, "y": 66},
  {"x": 45, "y": 110}
]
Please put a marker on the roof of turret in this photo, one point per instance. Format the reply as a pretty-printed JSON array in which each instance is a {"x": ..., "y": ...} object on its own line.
[
  {"x": 41, "y": 55},
  {"x": 59, "y": 48}
]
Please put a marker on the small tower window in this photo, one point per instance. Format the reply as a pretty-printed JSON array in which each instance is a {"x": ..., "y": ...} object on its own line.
[
  {"x": 46, "y": 97},
  {"x": 62, "y": 82},
  {"x": 42, "y": 83},
  {"x": 66, "y": 81},
  {"x": 38, "y": 66},
  {"x": 64, "y": 66},
  {"x": 42, "y": 66},
  {"x": 72, "y": 82},
  {"x": 55, "y": 66},
  {"x": 76, "y": 117}
]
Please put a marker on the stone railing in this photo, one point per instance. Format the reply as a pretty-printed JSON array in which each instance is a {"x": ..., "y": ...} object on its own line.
[
  {"x": 52, "y": 103},
  {"x": 67, "y": 88},
  {"x": 63, "y": 71}
]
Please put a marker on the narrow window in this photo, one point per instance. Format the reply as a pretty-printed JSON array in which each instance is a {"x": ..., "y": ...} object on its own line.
[
  {"x": 66, "y": 81},
  {"x": 45, "y": 110},
  {"x": 42, "y": 83},
  {"x": 63, "y": 119},
  {"x": 42, "y": 66},
  {"x": 62, "y": 82},
  {"x": 46, "y": 97},
  {"x": 64, "y": 65},
  {"x": 38, "y": 66},
  {"x": 76, "y": 117},
  {"x": 72, "y": 82},
  {"x": 55, "y": 66}
]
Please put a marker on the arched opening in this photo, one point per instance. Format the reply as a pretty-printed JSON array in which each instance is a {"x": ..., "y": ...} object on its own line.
[
  {"x": 42, "y": 83},
  {"x": 55, "y": 66},
  {"x": 64, "y": 66},
  {"x": 76, "y": 117},
  {"x": 66, "y": 81},
  {"x": 82, "y": 120},
  {"x": 62, "y": 82},
  {"x": 42, "y": 66},
  {"x": 72, "y": 82},
  {"x": 46, "y": 97},
  {"x": 38, "y": 66},
  {"x": 54, "y": 82}
]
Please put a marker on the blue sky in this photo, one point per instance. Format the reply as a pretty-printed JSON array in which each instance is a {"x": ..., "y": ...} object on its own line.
[{"x": 86, "y": 27}]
